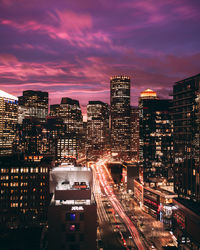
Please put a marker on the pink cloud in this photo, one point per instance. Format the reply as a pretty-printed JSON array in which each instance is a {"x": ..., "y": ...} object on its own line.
[
  {"x": 72, "y": 27},
  {"x": 12, "y": 67},
  {"x": 73, "y": 22},
  {"x": 8, "y": 59}
]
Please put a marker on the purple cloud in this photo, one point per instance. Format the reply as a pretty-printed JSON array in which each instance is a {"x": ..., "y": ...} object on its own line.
[{"x": 71, "y": 48}]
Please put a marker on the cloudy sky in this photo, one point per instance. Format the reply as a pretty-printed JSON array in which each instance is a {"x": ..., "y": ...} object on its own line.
[{"x": 70, "y": 48}]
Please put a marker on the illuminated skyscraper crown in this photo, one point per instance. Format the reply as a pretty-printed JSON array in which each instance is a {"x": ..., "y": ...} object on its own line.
[{"x": 148, "y": 94}]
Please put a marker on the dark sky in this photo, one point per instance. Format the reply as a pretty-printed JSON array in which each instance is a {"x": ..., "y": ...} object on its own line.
[{"x": 70, "y": 48}]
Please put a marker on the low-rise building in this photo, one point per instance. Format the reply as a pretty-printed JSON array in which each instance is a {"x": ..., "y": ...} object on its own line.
[
  {"x": 186, "y": 223},
  {"x": 155, "y": 201},
  {"x": 72, "y": 215}
]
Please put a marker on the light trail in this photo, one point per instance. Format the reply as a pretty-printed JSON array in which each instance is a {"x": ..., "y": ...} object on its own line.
[
  {"x": 102, "y": 215},
  {"x": 106, "y": 180}
]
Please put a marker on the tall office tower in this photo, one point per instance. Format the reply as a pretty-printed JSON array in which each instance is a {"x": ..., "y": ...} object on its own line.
[
  {"x": 120, "y": 116},
  {"x": 134, "y": 134},
  {"x": 71, "y": 113},
  {"x": 186, "y": 115},
  {"x": 8, "y": 121},
  {"x": 31, "y": 138},
  {"x": 36, "y": 102},
  {"x": 155, "y": 139},
  {"x": 97, "y": 128},
  {"x": 72, "y": 215},
  {"x": 24, "y": 191},
  {"x": 70, "y": 143},
  {"x": 55, "y": 129}
]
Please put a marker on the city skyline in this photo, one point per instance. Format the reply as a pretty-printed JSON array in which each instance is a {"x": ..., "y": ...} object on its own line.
[
  {"x": 99, "y": 124},
  {"x": 72, "y": 50}
]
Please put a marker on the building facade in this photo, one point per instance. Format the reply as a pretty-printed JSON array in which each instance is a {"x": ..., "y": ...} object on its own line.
[
  {"x": 24, "y": 192},
  {"x": 72, "y": 215},
  {"x": 36, "y": 102},
  {"x": 155, "y": 138},
  {"x": 120, "y": 116},
  {"x": 70, "y": 141},
  {"x": 134, "y": 134},
  {"x": 8, "y": 122},
  {"x": 186, "y": 119},
  {"x": 97, "y": 128},
  {"x": 186, "y": 223}
]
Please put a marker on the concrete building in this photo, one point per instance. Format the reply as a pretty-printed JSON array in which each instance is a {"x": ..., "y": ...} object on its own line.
[
  {"x": 120, "y": 116},
  {"x": 72, "y": 215},
  {"x": 8, "y": 121}
]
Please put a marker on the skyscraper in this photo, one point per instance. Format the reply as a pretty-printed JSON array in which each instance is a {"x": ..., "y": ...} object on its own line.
[
  {"x": 186, "y": 118},
  {"x": 97, "y": 128},
  {"x": 31, "y": 137},
  {"x": 71, "y": 114},
  {"x": 155, "y": 137},
  {"x": 8, "y": 121},
  {"x": 69, "y": 141},
  {"x": 36, "y": 102},
  {"x": 134, "y": 134},
  {"x": 120, "y": 115}
]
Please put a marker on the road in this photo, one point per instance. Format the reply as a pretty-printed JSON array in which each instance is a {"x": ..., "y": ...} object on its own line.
[
  {"x": 108, "y": 237},
  {"x": 132, "y": 223},
  {"x": 106, "y": 182}
]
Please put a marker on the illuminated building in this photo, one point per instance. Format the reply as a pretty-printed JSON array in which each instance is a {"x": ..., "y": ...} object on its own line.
[
  {"x": 186, "y": 119},
  {"x": 155, "y": 201},
  {"x": 155, "y": 139},
  {"x": 120, "y": 116},
  {"x": 97, "y": 128},
  {"x": 148, "y": 94},
  {"x": 72, "y": 215},
  {"x": 66, "y": 146},
  {"x": 23, "y": 112},
  {"x": 55, "y": 110},
  {"x": 134, "y": 134},
  {"x": 24, "y": 191},
  {"x": 31, "y": 137},
  {"x": 70, "y": 141},
  {"x": 186, "y": 223},
  {"x": 36, "y": 102},
  {"x": 8, "y": 121}
]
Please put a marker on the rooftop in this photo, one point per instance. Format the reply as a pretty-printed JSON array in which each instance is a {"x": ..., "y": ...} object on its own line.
[
  {"x": 148, "y": 93},
  {"x": 7, "y": 96},
  {"x": 67, "y": 100},
  {"x": 120, "y": 77},
  {"x": 188, "y": 79},
  {"x": 68, "y": 167},
  {"x": 189, "y": 204}
]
